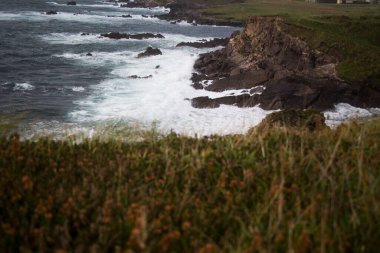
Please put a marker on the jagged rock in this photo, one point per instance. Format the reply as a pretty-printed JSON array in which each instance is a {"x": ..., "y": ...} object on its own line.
[
  {"x": 88, "y": 54},
  {"x": 243, "y": 100},
  {"x": 205, "y": 44},
  {"x": 150, "y": 51},
  {"x": 85, "y": 34},
  {"x": 245, "y": 80},
  {"x": 303, "y": 92},
  {"x": 117, "y": 36},
  {"x": 311, "y": 120},
  {"x": 71, "y": 3},
  {"x": 51, "y": 13}
]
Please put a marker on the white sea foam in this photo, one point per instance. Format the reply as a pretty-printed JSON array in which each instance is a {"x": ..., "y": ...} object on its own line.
[
  {"x": 78, "y": 89},
  {"x": 96, "y": 18},
  {"x": 23, "y": 87},
  {"x": 344, "y": 112},
  {"x": 162, "y": 99},
  {"x": 114, "y": 6}
]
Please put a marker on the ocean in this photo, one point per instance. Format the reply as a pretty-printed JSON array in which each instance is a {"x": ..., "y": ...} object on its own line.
[{"x": 50, "y": 84}]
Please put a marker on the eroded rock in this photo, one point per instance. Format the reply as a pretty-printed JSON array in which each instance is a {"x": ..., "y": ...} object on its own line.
[{"x": 149, "y": 51}]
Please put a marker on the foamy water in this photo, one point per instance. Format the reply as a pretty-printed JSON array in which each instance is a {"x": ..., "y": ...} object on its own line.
[
  {"x": 81, "y": 84},
  {"x": 23, "y": 87}
]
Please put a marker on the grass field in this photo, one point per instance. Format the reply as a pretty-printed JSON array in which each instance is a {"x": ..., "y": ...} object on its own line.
[
  {"x": 352, "y": 31},
  {"x": 276, "y": 191}
]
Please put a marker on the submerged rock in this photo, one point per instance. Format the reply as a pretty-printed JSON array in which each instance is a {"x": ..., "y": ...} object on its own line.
[
  {"x": 51, "y": 13},
  {"x": 150, "y": 51},
  {"x": 139, "y": 77},
  {"x": 141, "y": 36},
  {"x": 71, "y": 3}
]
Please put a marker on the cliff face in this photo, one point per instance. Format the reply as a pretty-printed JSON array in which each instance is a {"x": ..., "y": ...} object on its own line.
[
  {"x": 264, "y": 45},
  {"x": 293, "y": 74}
]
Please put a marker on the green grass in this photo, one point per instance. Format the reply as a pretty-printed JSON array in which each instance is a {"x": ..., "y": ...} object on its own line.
[
  {"x": 350, "y": 31},
  {"x": 277, "y": 191}
]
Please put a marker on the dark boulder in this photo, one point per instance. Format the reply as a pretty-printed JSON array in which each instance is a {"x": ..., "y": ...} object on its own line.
[
  {"x": 150, "y": 51},
  {"x": 71, "y": 3},
  {"x": 88, "y": 54},
  {"x": 141, "y": 36}
]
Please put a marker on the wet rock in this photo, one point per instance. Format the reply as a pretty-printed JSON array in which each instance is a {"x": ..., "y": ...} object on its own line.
[
  {"x": 141, "y": 36},
  {"x": 157, "y": 67},
  {"x": 243, "y": 100},
  {"x": 88, "y": 54},
  {"x": 71, "y": 3},
  {"x": 51, "y": 13},
  {"x": 85, "y": 34},
  {"x": 245, "y": 80},
  {"x": 304, "y": 92},
  {"x": 126, "y": 16},
  {"x": 150, "y": 51},
  {"x": 205, "y": 44},
  {"x": 140, "y": 77}
]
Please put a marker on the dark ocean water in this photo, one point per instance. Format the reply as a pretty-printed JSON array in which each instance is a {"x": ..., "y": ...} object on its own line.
[{"x": 37, "y": 81}]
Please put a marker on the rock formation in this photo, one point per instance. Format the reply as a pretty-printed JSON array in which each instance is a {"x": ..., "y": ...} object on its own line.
[
  {"x": 293, "y": 75},
  {"x": 141, "y": 36},
  {"x": 150, "y": 51}
]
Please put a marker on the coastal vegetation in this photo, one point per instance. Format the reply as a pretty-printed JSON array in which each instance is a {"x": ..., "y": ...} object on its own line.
[{"x": 274, "y": 190}]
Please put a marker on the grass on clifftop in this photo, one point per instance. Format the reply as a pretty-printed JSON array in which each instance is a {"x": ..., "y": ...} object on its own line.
[
  {"x": 276, "y": 191},
  {"x": 350, "y": 31}
]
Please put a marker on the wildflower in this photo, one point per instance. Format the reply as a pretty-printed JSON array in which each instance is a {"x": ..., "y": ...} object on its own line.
[
  {"x": 27, "y": 183},
  {"x": 186, "y": 226},
  {"x": 209, "y": 248},
  {"x": 168, "y": 239}
]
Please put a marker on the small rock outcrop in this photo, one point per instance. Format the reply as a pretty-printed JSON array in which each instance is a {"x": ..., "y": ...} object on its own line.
[
  {"x": 71, "y": 3},
  {"x": 149, "y": 51},
  {"x": 311, "y": 120},
  {"x": 141, "y": 36}
]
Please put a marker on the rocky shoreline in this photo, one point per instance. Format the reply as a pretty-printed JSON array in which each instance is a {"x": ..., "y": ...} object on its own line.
[
  {"x": 264, "y": 65},
  {"x": 275, "y": 70}
]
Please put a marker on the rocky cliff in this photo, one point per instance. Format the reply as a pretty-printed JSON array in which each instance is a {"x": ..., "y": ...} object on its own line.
[{"x": 277, "y": 71}]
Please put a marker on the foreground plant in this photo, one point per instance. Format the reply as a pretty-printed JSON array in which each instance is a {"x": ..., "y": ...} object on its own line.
[{"x": 279, "y": 190}]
